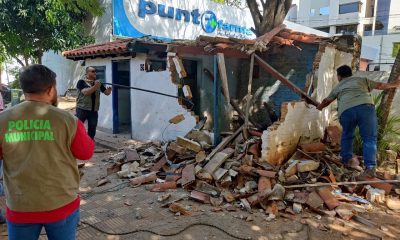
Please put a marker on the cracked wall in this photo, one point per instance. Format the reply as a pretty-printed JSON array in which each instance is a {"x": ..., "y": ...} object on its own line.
[{"x": 300, "y": 122}]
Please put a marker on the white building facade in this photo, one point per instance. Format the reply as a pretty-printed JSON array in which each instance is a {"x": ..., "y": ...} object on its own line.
[{"x": 377, "y": 21}]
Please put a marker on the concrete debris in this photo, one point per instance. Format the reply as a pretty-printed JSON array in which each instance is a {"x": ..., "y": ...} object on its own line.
[
  {"x": 231, "y": 176},
  {"x": 393, "y": 203}
]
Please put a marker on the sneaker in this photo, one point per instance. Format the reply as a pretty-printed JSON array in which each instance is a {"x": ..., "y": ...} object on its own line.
[
  {"x": 354, "y": 164},
  {"x": 368, "y": 173}
]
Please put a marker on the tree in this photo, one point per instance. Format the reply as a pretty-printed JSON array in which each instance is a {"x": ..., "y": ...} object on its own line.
[
  {"x": 266, "y": 14},
  {"x": 387, "y": 98},
  {"x": 28, "y": 28}
]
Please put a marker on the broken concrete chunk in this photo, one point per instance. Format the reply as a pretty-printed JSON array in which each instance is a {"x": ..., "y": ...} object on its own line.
[
  {"x": 200, "y": 156},
  {"x": 207, "y": 188},
  {"x": 345, "y": 211},
  {"x": 232, "y": 173},
  {"x": 300, "y": 197},
  {"x": 249, "y": 186},
  {"x": 246, "y": 205},
  {"x": 204, "y": 176},
  {"x": 314, "y": 200},
  {"x": 291, "y": 169},
  {"x": 297, "y": 208},
  {"x": 176, "y": 148},
  {"x": 216, "y": 162},
  {"x": 197, "y": 169},
  {"x": 307, "y": 166},
  {"x": 189, "y": 144},
  {"x": 219, "y": 173},
  {"x": 278, "y": 193},
  {"x": 375, "y": 195},
  {"x": 393, "y": 203},
  {"x": 163, "y": 197},
  {"x": 200, "y": 136},
  {"x": 330, "y": 201},
  {"x": 228, "y": 196},
  {"x": 216, "y": 201}
]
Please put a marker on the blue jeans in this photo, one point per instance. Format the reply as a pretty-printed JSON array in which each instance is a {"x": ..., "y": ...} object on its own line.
[
  {"x": 61, "y": 230},
  {"x": 363, "y": 116}
]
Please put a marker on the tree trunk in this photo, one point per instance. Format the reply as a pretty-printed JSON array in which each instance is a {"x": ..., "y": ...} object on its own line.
[
  {"x": 269, "y": 14},
  {"x": 388, "y": 96}
]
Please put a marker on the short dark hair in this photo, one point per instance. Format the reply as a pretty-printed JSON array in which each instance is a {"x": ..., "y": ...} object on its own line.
[
  {"x": 36, "y": 78},
  {"x": 344, "y": 71},
  {"x": 87, "y": 68}
]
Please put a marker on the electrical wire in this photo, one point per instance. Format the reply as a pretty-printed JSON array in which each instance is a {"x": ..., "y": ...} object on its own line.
[
  {"x": 115, "y": 188},
  {"x": 166, "y": 234}
]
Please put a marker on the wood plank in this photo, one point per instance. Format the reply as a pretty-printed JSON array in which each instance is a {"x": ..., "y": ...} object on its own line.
[
  {"x": 223, "y": 75},
  {"x": 284, "y": 80},
  {"x": 224, "y": 143}
]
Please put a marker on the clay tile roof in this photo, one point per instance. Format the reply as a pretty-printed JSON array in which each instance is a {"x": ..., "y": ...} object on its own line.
[{"x": 110, "y": 48}]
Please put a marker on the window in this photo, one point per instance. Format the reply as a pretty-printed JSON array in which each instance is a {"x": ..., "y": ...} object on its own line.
[
  {"x": 368, "y": 30},
  {"x": 312, "y": 12},
  {"x": 349, "y": 8},
  {"x": 323, "y": 29},
  {"x": 324, "y": 11},
  {"x": 100, "y": 73},
  {"x": 396, "y": 48},
  {"x": 347, "y": 29}
]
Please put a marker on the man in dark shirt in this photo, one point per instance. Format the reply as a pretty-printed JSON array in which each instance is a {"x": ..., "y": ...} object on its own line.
[{"x": 88, "y": 101}]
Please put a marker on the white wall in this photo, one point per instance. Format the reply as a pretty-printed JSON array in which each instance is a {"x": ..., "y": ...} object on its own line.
[
  {"x": 150, "y": 112},
  {"x": 105, "y": 111},
  {"x": 62, "y": 67},
  {"x": 394, "y": 19}
]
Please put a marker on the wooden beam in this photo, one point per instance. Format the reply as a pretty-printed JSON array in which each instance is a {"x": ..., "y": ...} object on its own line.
[
  {"x": 223, "y": 75},
  {"x": 284, "y": 80}
]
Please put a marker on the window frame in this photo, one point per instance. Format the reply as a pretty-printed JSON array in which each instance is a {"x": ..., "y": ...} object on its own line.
[{"x": 349, "y": 4}]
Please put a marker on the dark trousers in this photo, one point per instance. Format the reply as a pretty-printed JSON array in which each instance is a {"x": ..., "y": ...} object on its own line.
[{"x": 92, "y": 118}]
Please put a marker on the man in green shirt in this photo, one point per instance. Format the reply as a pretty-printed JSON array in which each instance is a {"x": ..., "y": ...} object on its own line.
[{"x": 356, "y": 109}]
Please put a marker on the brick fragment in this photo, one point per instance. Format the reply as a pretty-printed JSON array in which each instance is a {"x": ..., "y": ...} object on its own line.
[
  {"x": 313, "y": 147},
  {"x": 264, "y": 183},
  {"x": 177, "y": 119},
  {"x": 314, "y": 200},
  {"x": 199, "y": 196},
  {"x": 291, "y": 169},
  {"x": 384, "y": 186},
  {"x": 176, "y": 148},
  {"x": 219, "y": 173},
  {"x": 264, "y": 173},
  {"x": 156, "y": 167},
  {"x": 330, "y": 201},
  {"x": 162, "y": 187}
]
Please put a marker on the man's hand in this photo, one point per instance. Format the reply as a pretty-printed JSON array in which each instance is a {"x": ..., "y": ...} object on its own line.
[
  {"x": 108, "y": 91},
  {"x": 324, "y": 103},
  {"x": 97, "y": 84}
]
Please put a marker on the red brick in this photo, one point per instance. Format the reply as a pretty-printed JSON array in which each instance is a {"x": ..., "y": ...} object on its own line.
[
  {"x": 162, "y": 187},
  {"x": 330, "y": 201}
]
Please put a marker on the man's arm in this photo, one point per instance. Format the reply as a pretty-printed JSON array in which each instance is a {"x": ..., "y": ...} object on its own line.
[
  {"x": 89, "y": 90},
  {"x": 384, "y": 86},
  {"x": 325, "y": 103},
  {"x": 82, "y": 146}
]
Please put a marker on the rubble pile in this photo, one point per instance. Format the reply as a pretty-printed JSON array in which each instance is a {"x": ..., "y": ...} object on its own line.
[{"x": 231, "y": 176}]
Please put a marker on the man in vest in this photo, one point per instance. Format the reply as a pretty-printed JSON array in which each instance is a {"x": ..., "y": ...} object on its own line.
[
  {"x": 88, "y": 101},
  {"x": 356, "y": 109},
  {"x": 39, "y": 145}
]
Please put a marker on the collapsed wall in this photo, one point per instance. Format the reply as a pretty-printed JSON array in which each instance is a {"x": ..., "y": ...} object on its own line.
[{"x": 302, "y": 123}]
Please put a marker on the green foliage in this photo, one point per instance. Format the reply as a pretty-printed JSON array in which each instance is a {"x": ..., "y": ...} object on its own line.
[
  {"x": 28, "y": 28},
  {"x": 389, "y": 137}
]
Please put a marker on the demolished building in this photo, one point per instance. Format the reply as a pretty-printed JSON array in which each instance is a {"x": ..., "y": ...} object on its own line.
[{"x": 187, "y": 69}]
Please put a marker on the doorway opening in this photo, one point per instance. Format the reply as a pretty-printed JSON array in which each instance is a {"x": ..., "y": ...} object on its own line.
[{"x": 122, "y": 122}]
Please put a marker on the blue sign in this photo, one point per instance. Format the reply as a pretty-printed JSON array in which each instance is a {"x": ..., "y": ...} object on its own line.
[{"x": 131, "y": 19}]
